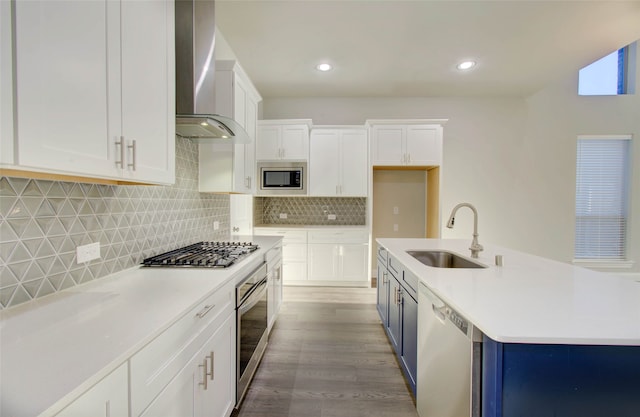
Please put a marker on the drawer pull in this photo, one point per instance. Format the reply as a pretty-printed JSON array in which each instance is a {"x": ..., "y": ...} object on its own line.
[{"x": 204, "y": 311}]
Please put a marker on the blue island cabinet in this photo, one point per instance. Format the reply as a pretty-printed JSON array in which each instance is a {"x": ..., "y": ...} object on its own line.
[
  {"x": 398, "y": 309},
  {"x": 547, "y": 380}
]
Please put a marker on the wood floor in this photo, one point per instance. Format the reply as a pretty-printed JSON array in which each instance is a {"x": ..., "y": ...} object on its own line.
[{"x": 328, "y": 356}]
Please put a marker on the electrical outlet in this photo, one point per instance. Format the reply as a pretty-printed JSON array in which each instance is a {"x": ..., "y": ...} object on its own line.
[
  {"x": 396, "y": 210},
  {"x": 216, "y": 225},
  {"x": 395, "y": 227},
  {"x": 331, "y": 216},
  {"x": 88, "y": 252},
  {"x": 283, "y": 215}
]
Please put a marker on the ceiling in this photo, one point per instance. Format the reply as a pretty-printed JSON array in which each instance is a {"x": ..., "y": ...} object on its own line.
[{"x": 394, "y": 48}]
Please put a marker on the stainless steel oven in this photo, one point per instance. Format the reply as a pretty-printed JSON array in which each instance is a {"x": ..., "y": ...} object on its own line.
[
  {"x": 251, "y": 319},
  {"x": 282, "y": 178}
]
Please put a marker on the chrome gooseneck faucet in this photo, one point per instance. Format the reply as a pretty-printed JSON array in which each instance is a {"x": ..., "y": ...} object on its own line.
[{"x": 475, "y": 246}]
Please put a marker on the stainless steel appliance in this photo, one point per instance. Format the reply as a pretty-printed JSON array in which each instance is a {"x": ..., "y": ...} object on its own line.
[
  {"x": 203, "y": 255},
  {"x": 282, "y": 178},
  {"x": 449, "y": 361},
  {"x": 196, "y": 116},
  {"x": 251, "y": 331},
  {"x": 251, "y": 298}
]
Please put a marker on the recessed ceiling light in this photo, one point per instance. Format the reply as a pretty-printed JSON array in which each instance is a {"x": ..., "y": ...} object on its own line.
[
  {"x": 323, "y": 67},
  {"x": 466, "y": 65}
]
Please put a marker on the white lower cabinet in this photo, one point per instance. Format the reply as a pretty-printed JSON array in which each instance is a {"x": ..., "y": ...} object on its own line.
[
  {"x": 167, "y": 376},
  {"x": 322, "y": 256},
  {"x": 274, "y": 283},
  {"x": 108, "y": 398},
  {"x": 294, "y": 252},
  {"x": 206, "y": 385},
  {"x": 339, "y": 256}
]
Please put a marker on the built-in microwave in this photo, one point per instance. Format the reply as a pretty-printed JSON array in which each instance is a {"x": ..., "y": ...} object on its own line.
[{"x": 282, "y": 178}]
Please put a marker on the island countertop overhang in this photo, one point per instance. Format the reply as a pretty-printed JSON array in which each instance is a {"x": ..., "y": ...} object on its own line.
[{"x": 529, "y": 299}]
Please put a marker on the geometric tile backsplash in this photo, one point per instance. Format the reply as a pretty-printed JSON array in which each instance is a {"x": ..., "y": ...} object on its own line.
[
  {"x": 42, "y": 222},
  {"x": 310, "y": 210}
]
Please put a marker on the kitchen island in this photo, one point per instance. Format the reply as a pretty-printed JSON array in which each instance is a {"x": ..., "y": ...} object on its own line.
[
  {"x": 57, "y": 349},
  {"x": 556, "y": 339}
]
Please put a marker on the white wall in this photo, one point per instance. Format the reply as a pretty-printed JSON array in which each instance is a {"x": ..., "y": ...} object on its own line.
[{"x": 513, "y": 158}]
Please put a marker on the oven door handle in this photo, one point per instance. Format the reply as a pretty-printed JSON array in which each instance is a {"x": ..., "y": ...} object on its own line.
[{"x": 254, "y": 296}]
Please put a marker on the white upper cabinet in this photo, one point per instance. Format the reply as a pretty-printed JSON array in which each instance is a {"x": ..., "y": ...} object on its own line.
[
  {"x": 227, "y": 167},
  {"x": 406, "y": 144},
  {"x": 148, "y": 89},
  {"x": 338, "y": 162},
  {"x": 283, "y": 140},
  {"x": 89, "y": 102},
  {"x": 6, "y": 80}
]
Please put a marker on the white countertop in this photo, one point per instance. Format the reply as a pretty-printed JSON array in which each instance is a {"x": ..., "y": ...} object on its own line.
[
  {"x": 311, "y": 227},
  {"x": 60, "y": 345},
  {"x": 530, "y": 299}
]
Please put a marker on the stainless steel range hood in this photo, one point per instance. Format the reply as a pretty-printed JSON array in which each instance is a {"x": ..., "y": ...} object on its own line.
[{"x": 195, "y": 74}]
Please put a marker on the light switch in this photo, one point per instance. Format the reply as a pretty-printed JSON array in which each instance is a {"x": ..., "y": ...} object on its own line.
[
  {"x": 395, "y": 227},
  {"x": 396, "y": 210}
]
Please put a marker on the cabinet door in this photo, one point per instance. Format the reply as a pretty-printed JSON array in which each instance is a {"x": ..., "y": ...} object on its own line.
[
  {"x": 65, "y": 118},
  {"x": 409, "y": 349},
  {"x": 241, "y": 214},
  {"x": 353, "y": 262},
  {"x": 148, "y": 89},
  {"x": 323, "y": 262},
  {"x": 293, "y": 272},
  {"x": 240, "y": 96},
  {"x": 353, "y": 162},
  {"x": 108, "y": 398},
  {"x": 250, "y": 149},
  {"x": 424, "y": 145},
  {"x": 295, "y": 142},
  {"x": 6, "y": 84},
  {"x": 268, "y": 142},
  {"x": 324, "y": 163},
  {"x": 386, "y": 145},
  {"x": 382, "y": 290},
  {"x": 187, "y": 395},
  {"x": 394, "y": 326},
  {"x": 219, "y": 396}
]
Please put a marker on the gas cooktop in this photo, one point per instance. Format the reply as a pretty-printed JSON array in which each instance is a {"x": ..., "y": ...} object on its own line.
[{"x": 203, "y": 255}]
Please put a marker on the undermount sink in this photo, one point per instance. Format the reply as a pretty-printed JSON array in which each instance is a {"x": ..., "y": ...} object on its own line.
[{"x": 443, "y": 259}]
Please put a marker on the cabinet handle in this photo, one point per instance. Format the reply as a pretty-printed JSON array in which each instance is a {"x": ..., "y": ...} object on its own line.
[
  {"x": 211, "y": 367},
  {"x": 385, "y": 278},
  {"x": 398, "y": 296},
  {"x": 133, "y": 147},
  {"x": 247, "y": 182},
  {"x": 204, "y": 311},
  {"x": 120, "y": 143},
  {"x": 408, "y": 158},
  {"x": 283, "y": 152},
  {"x": 205, "y": 374}
]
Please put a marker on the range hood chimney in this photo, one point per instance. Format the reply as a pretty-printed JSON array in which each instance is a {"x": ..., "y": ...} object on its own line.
[{"x": 195, "y": 74}]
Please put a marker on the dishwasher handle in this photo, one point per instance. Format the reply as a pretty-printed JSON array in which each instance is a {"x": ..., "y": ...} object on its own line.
[{"x": 444, "y": 313}]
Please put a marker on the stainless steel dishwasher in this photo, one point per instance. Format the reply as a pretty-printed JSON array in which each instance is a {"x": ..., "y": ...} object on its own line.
[{"x": 449, "y": 360}]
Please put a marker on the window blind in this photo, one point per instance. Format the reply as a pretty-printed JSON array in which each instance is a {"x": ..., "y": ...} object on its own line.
[{"x": 602, "y": 194}]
